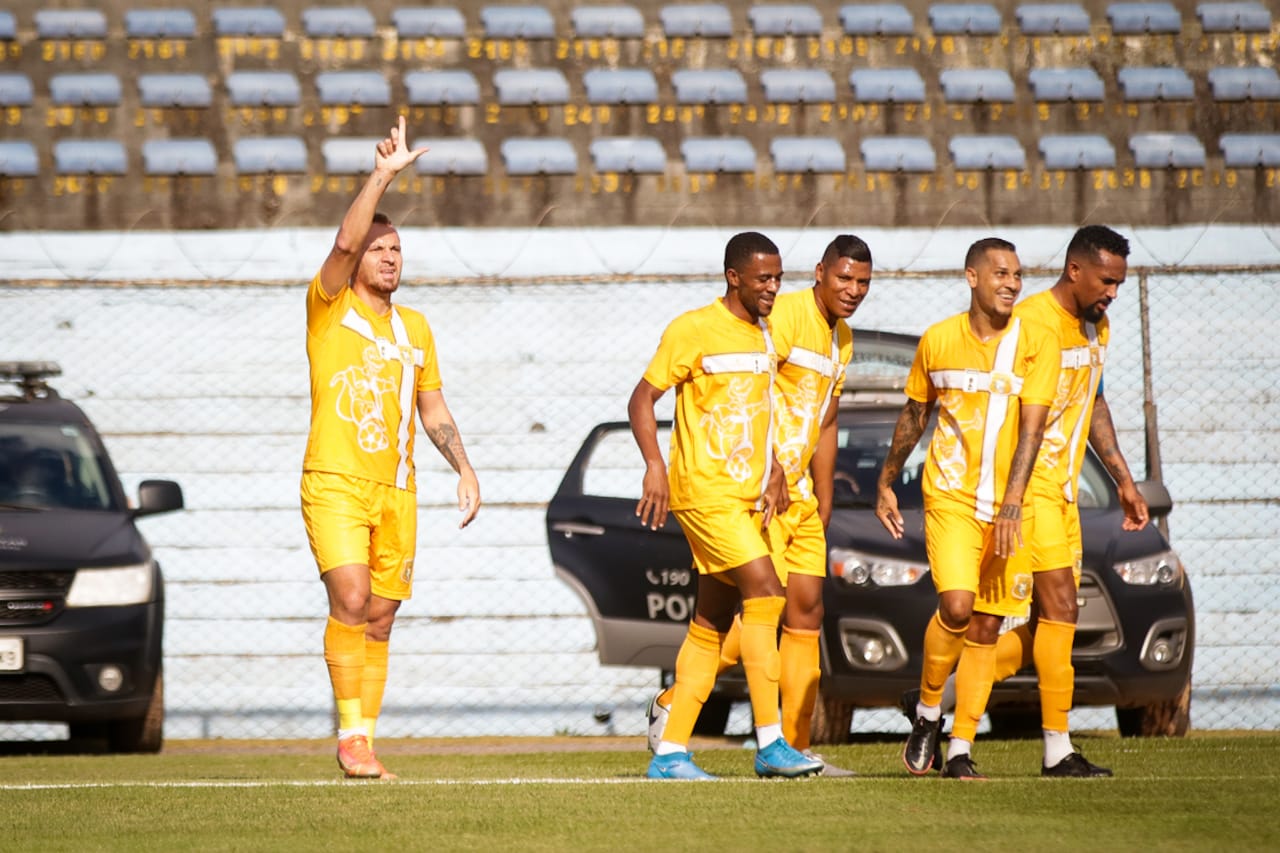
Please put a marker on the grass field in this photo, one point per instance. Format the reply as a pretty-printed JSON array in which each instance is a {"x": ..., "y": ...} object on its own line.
[{"x": 1204, "y": 792}]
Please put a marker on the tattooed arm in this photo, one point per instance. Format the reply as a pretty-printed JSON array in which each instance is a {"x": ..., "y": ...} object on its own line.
[
  {"x": 906, "y": 434},
  {"x": 443, "y": 432},
  {"x": 1102, "y": 438},
  {"x": 1008, "y": 534}
]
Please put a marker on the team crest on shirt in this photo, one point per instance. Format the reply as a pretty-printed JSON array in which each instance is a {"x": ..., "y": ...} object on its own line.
[{"x": 1001, "y": 383}]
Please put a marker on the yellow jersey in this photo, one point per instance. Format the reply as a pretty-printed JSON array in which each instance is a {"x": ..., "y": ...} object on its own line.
[
  {"x": 366, "y": 372},
  {"x": 1084, "y": 351},
  {"x": 722, "y": 368},
  {"x": 979, "y": 387},
  {"x": 812, "y": 358}
]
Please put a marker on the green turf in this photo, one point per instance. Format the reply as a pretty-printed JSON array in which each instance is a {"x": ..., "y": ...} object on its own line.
[{"x": 1203, "y": 792}]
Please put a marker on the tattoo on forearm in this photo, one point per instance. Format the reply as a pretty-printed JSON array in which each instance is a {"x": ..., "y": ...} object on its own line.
[
  {"x": 446, "y": 439},
  {"x": 1102, "y": 437},
  {"x": 1024, "y": 459},
  {"x": 905, "y": 437}
]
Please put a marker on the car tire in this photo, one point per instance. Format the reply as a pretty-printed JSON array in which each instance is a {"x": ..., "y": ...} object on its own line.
[
  {"x": 714, "y": 717},
  {"x": 141, "y": 734},
  {"x": 1170, "y": 718},
  {"x": 832, "y": 720}
]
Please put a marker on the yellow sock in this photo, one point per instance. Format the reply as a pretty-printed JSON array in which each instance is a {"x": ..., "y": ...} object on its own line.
[
  {"x": 695, "y": 676},
  {"x": 344, "y": 655},
  {"x": 374, "y": 683},
  {"x": 729, "y": 650},
  {"x": 760, "y": 655},
  {"x": 1013, "y": 651},
  {"x": 798, "y": 685},
  {"x": 974, "y": 676},
  {"x": 1057, "y": 677},
  {"x": 942, "y": 648}
]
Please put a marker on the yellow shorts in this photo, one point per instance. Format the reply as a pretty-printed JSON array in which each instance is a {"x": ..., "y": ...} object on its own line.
[
  {"x": 798, "y": 542},
  {"x": 962, "y": 556},
  {"x": 1055, "y": 535},
  {"x": 352, "y": 521},
  {"x": 723, "y": 537}
]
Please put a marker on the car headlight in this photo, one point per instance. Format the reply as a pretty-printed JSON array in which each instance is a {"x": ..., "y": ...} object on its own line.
[
  {"x": 1163, "y": 569},
  {"x": 858, "y": 569},
  {"x": 111, "y": 587}
]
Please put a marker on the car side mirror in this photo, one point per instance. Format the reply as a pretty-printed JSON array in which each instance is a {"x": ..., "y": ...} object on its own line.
[
  {"x": 156, "y": 496},
  {"x": 1157, "y": 497}
]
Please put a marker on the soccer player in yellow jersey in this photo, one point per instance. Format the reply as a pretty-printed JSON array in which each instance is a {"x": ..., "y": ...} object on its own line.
[
  {"x": 724, "y": 488},
  {"x": 993, "y": 379},
  {"x": 372, "y": 364}
]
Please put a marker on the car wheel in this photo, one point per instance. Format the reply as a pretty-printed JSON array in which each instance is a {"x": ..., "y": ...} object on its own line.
[
  {"x": 832, "y": 720},
  {"x": 1170, "y": 718},
  {"x": 141, "y": 734},
  {"x": 714, "y": 717}
]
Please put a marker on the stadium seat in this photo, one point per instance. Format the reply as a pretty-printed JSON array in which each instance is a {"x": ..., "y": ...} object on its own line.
[
  {"x": 91, "y": 89},
  {"x": 1249, "y": 150},
  {"x": 368, "y": 88},
  {"x": 542, "y": 156},
  {"x": 1244, "y": 84},
  {"x": 708, "y": 20},
  {"x": 1239, "y": 17},
  {"x": 15, "y": 90},
  {"x": 451, "y": 156},
  {"x": 718, "y": 154},
  {"x": 785, "y": 19},
  {"x": 263, "y": 88},
  {"x": 974, "y": 19},
  {"x": 348, "y": 155},
  {"x": 620, "y": 86},
  {"x": 174, "y": 90},
  {"x": 1155, "y": 84},
  {"x": 8, "y": 27},
  {"x": 718, "y": 86},
  {"x": 159, "y": 24},
  {"x": 877, "y": 19},
  {"x": 179, "y": 157},
  {"x": 987, "y": 152},
  {"x": 797, "y": 85},
  {"x": 431, "y": 88},
  {"x": 607, "y": 22},
  {"x": 266, "y": 155},
  {"x": 821, "y": 154},
  {"x": 261, "y": 21},
  {"x": 1143, "y": 18},
  {"x": 897, "y": 154},
  {"x": 1065, "y": 84},
  {"x": 1165, "y": 150},
  {"x": 338, "y": 22},
  {"x": 429, "y": 22},
  {"x": 517, "y": 22},
  {"x": 887, "y": 85},
  {"x": 526, "y": 86},
  {"x": 1077, "y": 151},
  {"x": 976, "y": 85},
  {"x": 1053, "y": 19},
  {"x": 18, "y": 159},
  {"x": 634, "y": 154},
  {"x": 70, "y": 24},
  {"x": 90, "y": 157}
]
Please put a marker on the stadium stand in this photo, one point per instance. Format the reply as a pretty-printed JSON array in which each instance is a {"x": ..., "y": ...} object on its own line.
[
  {"x": 797, "y": 85},
  {"x": 1244, "y": 84},
  {"x": 1155, "y": 84},
  {"x": 160, "y": 23},
  {"x": 1057, "y": 19},
  {"x": 92, "y": 89},
  {"x": 90, "y": 157},
  {"x": 70, "y": 24},
  {"x": 976, "y": 85},
  {"x": 898, "y": 154},
  {"x": 887, "y": 85},
  {"x": 517, "y": 22},
  {"x": 708, "y": 20},
  {"x": 633, "y": 154},
  {"x": 431, "y": 88},
  {"x": 174, "y": 90},
  {"x": 1144, "y": 18},
  {"x": 179, "y": 157},
  {"x": 709, "y": 86},
  {"x": 429, "y": 22},
  {"x": 15, "y": 89},
  {"x": 367, "y": 88},
  {"x": 544, "y": 156},
  {"x": 877, "y": 19},
  {"x": 263, "y": 88},
  {"x": 821, "y": 154},
  {"x": 1065, "y": 84},
  {"x": 607, "y": 22},
  {"x": 451, "y": 156},
  {"x": 348, "y": 155},
  {"x": 1249, "y": 150},
  {"x": 18, "y": 159},
  {"x": 793, "y": 19},
  {"x": 1077, "y": 151},
  {"x": 338, "y": 22},
  {"x": 1163, "y": 150},
  {"x": 529, "y": 86},
  {"x": 620, "y": 86},
  {"x": 259, "y": 155},
  {"x": 262, "y": 21},
  {"x": 718, "y": 154},
  {"x": 987, "y": 152},
  {"x": 1234, "y": 17},
  {"x": 974, "y": 19}
]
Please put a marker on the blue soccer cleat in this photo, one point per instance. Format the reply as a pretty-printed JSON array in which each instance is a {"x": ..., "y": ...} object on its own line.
[
  {"x": 780, "y": 759},
  {"x": 676, "y": 765}
]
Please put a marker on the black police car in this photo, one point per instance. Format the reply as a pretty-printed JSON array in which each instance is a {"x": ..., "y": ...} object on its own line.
[
  {"x": 81, "y": 597},
  {"x": 1136, "y": 631}
]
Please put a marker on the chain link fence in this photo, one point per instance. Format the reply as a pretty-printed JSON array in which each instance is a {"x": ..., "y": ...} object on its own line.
[{"x": 207, "y": 384}]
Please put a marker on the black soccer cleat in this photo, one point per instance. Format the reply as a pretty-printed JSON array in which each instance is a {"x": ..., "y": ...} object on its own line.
[
  {"x": 962, "y": 767},
  {"x": 910, "y": 699},
  {"x": 920, "y": 753},
  {"x": 1075, "y": 766}
]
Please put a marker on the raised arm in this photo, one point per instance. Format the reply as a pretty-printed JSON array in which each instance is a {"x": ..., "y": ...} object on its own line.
[
  {"x": 1102, "y": 438},
  {"x": 906, "y": 434},
  {"x": 822, "y": 467},
  {"x": 443, "y": 432},
  {"x": 656, "y": 494},
  {"x": 1008, "y": 533}
]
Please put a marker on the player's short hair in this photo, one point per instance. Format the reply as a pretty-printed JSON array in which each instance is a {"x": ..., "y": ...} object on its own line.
[
  {"x": 986, "y": 244},
  {"x": 1092, "y": 239},
  {"x": 742, "y": 246},
  {"x": 381, "y": 218},
  {"x": 847, "y": 246}
]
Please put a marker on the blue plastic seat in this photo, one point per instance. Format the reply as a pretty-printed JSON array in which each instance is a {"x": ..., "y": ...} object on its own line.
[
  {"x": 88, "y": 89},
  {"x": 709, "y": 86},
  {"x": 1155, "y": 84},
  {"x": 887, "y": 85},
  {"x": 976, "y": 85},
  {"x": 877, "y": 19},
  {"x": 718, "y": 154},
  {"x": 1053, "y": 19},
  {"x": 265, "y": 155},
  {"x": 368, "y": 88},
  {"x": 785, "y": 19},
  {"x": 641, "y": 155},
  {"x": 159, "y": 24},
  {"x": 430, "y": 88},
  {"x": 526, "y": 86},
  {"x": 338, "y": 22},
  {"x": 1235, "y": 17},
  {"x": 429, "y": 22},
  {"x": 452, "y": 156},
  {"x": 797, "y": 85},
  {"x": 517, "y": 22},
  {"x": 261, "y": 21},
  {"x": 818, "y": 154},
  {"x": 8, "y": 27},
  {"x": 1244, "y": 84},
  {"x": 348, "y": 155},
  {"x": 607, "y": 22},
  {"x": 1250, "y": 150},
  {"x": 974, "y": 19},
  {"x": 620, "y": 86},
  {"x": 70, "y": 24},
  {"x": 18, "y": 159},
  {"x": 708, "y": 20},
  {"x": 174, "y": 90},
  {"x": 1166, "y": 150},
  {"x": 987, "y": 152},
  {"x": 541, "y": 156},
  {"x": 1077, "y": 151},
  {"x": 1066, "y": 84},
  {"x": 263, "y": 88},
  {"x": 898, "y": 154},
  {"x": 15, "y": 89},
  {"x": 90, "y": 157},
  {"x": 179, "y": 157},
  {"x": 1144, "y": 18}
]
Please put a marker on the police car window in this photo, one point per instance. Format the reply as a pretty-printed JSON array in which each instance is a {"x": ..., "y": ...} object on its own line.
[
  {"x": 50, "y": 466},
  {"x": 1095, "y": 489},
  {"x": 861, "y": 448},
  {"x": 616, "y": 468}
]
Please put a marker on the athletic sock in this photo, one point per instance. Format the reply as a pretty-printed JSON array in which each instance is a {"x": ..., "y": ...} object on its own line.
[
  {"x": 760, "y": 655},
  {"x": 696, "y": 666},
  {"x": 973, "y": 687},
  {"x": 798, "y": 684},
  {"x": 942, "y": 647},
  {"x": 766, "y": 735},
  {"x": 374, "y": 683},
  {"x": 1057, "y": 746},
  {"x": 729, "y": 657},
  {"x": 344, "y": 654},
  {"x": 957, "y": 747},
  {"x": 1052, "y": 651},
  {"x": 1013, "y": 651}
]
